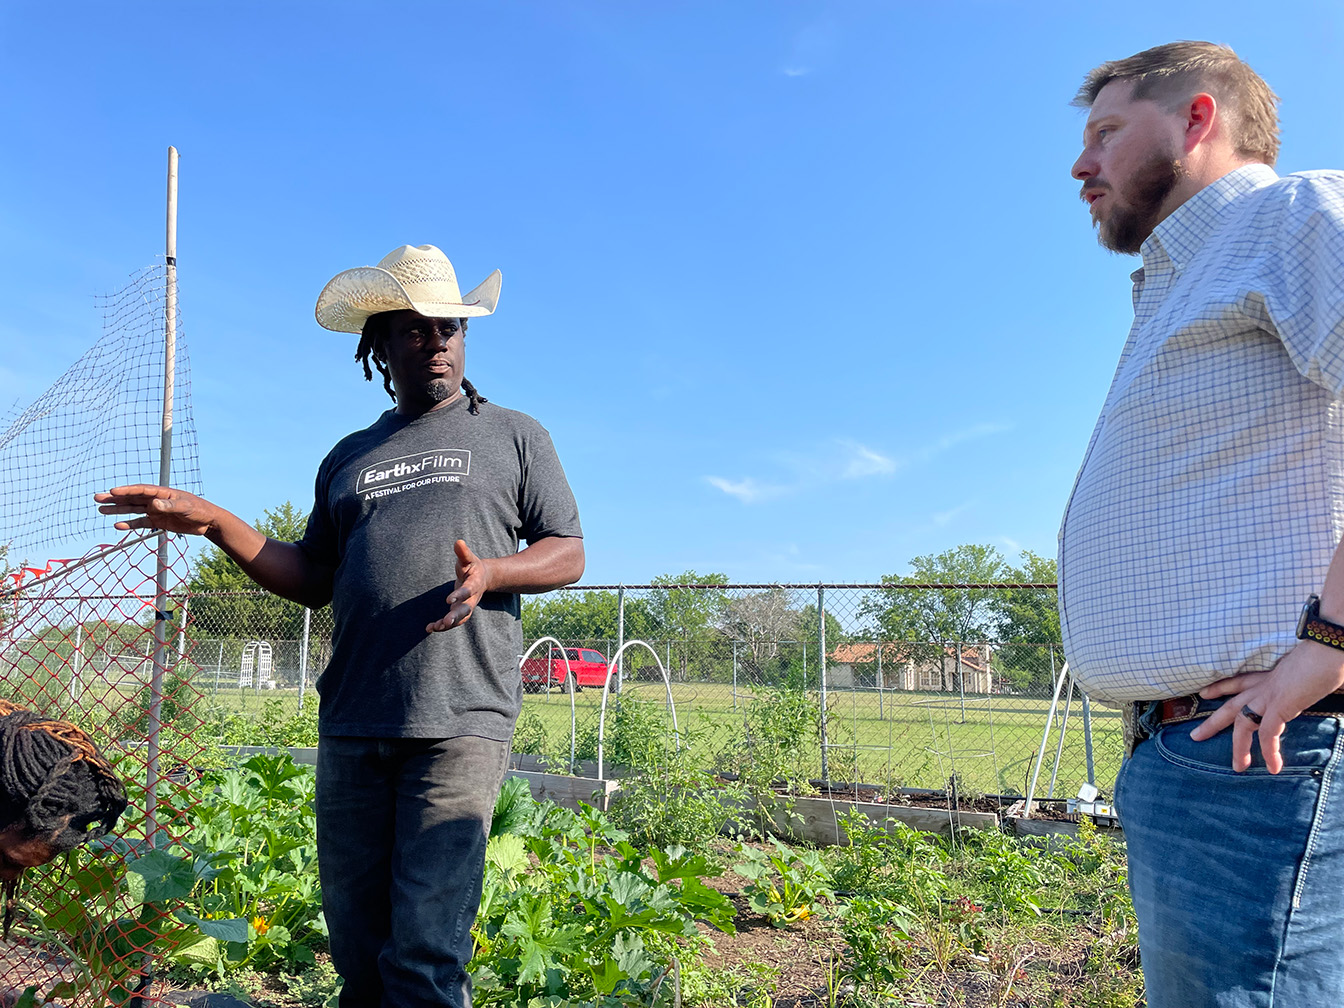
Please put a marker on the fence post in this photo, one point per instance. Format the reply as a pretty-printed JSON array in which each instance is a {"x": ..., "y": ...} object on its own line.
[
  {"x": 620, "y": 634},
  {"x": 219, "y": 665},
  {"x": 1087, "y": 741},
  {"x": 182, "y": 627},
  {"x": 821, "y": 673},
  {"x": 961, "y": 684},
  {"x": 303, "y": 654},
  {"x": 734, "y": 675},
  {"x": 77, "y": 659},
  {"x": 879, "y": 681}
]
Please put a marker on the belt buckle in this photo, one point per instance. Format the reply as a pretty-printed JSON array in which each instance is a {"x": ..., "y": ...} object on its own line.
[{"x": 1183, "y": 708}]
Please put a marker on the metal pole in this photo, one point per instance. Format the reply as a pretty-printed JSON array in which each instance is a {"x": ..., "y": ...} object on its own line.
[
  {"x": 77, "y": 659},
  {"x": 879, "y": 681},
  {"x": 165, "y": 474},
  {"x": 734, "y": 675},
  {"x": 1045, "y": 739},
  {"x": 1059, "y": 748},
  {"x": 303, "y": 654},
  {"x": 821, "y": 674},
  {"x": 1087, "y": 741},
  {"x": 219, "y": 666},
  {"x": 961, "y": 684},
  {"x": 182, "y": 627},
  {"x": 620, "y": 636}
]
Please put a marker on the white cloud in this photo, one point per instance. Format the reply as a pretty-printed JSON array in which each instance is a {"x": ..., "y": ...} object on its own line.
[
  {"x": 748, "y": 490},
  {"x": 864, "y": 462},
  {"x": 844, "y": 459},
  {"x": 795, "y": 71}
]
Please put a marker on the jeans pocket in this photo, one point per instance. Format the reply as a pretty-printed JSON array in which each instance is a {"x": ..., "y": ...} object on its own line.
[{"x": 1306, "y": 745}]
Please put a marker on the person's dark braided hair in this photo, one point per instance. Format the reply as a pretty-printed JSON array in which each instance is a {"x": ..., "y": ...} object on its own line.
[
  {"x": 54, "y": 783},
  {"x": 370, "y": 347}
]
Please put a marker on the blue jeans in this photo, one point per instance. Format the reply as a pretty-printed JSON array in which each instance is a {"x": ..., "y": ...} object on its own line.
[
  {"x": 401, "y": 832},
  {"x": 1238, "y": 878}
]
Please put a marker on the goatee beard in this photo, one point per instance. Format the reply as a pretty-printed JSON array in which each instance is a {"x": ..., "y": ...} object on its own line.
[
  {"x": 439, "y": 390},
  {"x": 1129, "y": 226}
]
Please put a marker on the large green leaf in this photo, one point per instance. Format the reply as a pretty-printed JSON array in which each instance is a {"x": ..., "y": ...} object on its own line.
[
  {"x": 101, "y": 878},
  {"x": 167, "y": 877},
  {"x": 68, "y": 917},
  {"x": 507, "y": 852},
  {"x": 233, "y": 929},
  {"x": 205, "y": 951}
]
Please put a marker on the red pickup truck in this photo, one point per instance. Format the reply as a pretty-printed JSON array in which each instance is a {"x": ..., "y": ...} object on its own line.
[{"x": 586, "y": 668}]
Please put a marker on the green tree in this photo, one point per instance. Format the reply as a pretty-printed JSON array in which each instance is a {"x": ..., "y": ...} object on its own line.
[
  {"x": 1030, "y": 621},
  {"x": 583, "y": 617},
  {"x": 931, "y": 618},
  {"x": 809, "y": 627},
  {"x": 255, "y": 615},
  {"x": 759, "y": 621},
  {"x": 692, "y": 616}
]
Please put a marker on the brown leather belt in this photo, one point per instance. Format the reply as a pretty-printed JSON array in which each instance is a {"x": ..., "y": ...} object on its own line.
[{"x": 1189, "y": 708}]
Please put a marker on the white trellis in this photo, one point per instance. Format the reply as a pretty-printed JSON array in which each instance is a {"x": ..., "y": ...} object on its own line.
[{"x": 256, "y": 658}]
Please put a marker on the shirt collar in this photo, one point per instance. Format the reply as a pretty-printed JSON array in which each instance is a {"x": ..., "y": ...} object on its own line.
[{"x": 1186, "y": 228}]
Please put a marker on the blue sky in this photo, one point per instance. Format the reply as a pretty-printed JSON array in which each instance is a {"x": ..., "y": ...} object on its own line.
[{"x": 801, "y": 290}]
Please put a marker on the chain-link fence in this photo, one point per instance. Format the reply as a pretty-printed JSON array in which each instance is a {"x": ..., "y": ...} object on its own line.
[
  {"x": 88, "y": 641},
  {"x": 815, "y": 686},
  {"x": 873, "y": 701}
]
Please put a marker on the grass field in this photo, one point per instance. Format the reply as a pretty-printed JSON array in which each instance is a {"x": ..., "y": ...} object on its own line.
[
  {"x": 914, "y": 740},
  {"x": 897, "y": 738}
]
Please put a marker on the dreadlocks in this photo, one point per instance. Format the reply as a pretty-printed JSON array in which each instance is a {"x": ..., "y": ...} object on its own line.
[
  {"x": 370, "y": 347},
  {"x": 54, "y": 784},
  {"x": 53, "y": 781}
]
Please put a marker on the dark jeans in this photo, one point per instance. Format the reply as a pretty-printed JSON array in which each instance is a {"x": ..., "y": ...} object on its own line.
[
  {"x": 1238, "y": 878},
  {"x": 401, "y": 832}
]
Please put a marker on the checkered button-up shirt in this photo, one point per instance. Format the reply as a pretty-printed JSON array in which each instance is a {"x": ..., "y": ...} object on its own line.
[{"x": 1211, "y": 496}]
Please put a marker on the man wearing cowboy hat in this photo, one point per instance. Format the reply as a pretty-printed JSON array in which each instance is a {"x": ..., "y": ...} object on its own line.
[{"x": 415, "y": 722}]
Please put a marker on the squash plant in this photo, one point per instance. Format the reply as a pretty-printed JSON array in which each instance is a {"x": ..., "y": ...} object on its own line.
[
  {"x": 122, "y": 906},
  {"x": 258, "y": 826},
  {"x": 571, "y": 914}
]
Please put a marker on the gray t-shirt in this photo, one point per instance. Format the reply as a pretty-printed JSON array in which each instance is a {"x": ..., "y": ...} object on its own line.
[{"x": 389, "y": 503}]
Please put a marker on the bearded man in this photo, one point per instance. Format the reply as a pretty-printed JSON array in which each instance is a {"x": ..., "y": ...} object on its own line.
[
  {"x": 1209, "y": 506},
  {"x": 419, "y": 699}
]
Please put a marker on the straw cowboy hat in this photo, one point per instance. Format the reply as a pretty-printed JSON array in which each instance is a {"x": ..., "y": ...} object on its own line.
[{"x": 416, "y": 277}]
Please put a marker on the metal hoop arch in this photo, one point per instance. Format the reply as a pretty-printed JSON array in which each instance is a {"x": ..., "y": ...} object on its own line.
[
  {"x": 569, "y": 677},
  {"x": 606, "y": 688}
]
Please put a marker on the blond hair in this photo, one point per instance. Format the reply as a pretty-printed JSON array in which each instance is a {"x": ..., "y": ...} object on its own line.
[{"x": 1174, "y": 73}]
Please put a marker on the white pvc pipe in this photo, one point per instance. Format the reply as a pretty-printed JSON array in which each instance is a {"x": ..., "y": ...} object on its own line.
[
  {"x": 606, "y": 688},
  {"x": 569, "y": 677},
  {"x": 1045, "y": 738}
]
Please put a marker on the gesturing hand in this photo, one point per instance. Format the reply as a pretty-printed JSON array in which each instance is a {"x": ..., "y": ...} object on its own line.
[
  {"x": 162, "y": 507},
  {"x": 1304, "y": 675},
  {"x": 473, "y": 581}
]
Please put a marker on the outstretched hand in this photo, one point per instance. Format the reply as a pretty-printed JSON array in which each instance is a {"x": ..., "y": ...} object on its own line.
[
  {"x": 473, "y": 581},
  {"x": 1304, "y": 675},
  {"x": 162, "y": 508}
]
